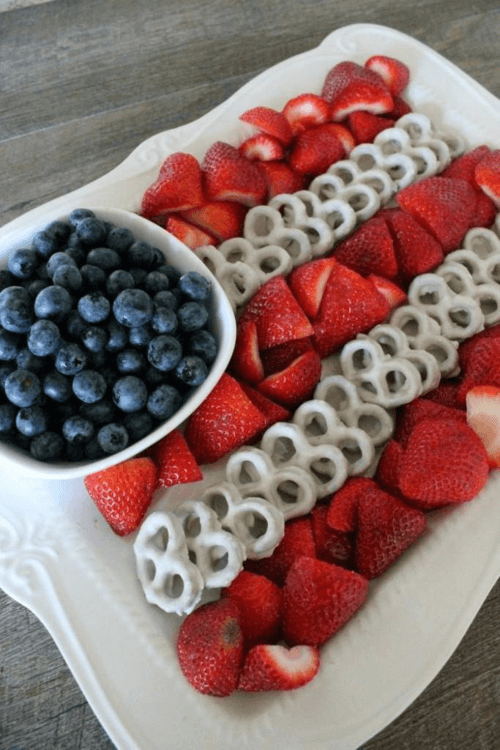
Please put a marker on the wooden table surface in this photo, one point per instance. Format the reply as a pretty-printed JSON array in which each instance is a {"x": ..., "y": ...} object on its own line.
[{"x": 81, "y": 85}]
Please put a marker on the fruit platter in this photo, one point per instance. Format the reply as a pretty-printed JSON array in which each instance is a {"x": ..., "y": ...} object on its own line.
[{"x": 296, "y": 560}]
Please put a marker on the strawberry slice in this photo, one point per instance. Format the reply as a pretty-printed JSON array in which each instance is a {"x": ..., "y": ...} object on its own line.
[
  {"x": 420, "y": 408},
  {"x": 401, "y": 107},
  {"x": 276, "y": 313},
  {"x": 316, "y": 149},
  {"x": 332, "y": 546},
  {"x": 464, "y": 168},
  {"x": 342, "y": 508},
  {"x": 230, "y": 176},
  {"x": 308, "y": 284},
  {"x": 306, "y": 110},
  {"x": 222, "y": 219},
  {"x": 175, "y": 462},
  {"x": 294, "y": 384},
  {"x": 297, "y": 541},
  {"x": 262, "y": 147},
  {"x": 281, "y": 178},
  {"x": 443, "y": 206},
  {"x": 349, "y": 87},
  {"x": 123, "y": 493},
  {"x": 387, "y": 474},
  {"x": 393, "y": 293},
  {"x": 275, "y": 667},
  {"x": 487, "y": 174},
  {"x": 344, "y": 135},
  {"x": 259, "y": 603},
  {"x": 246, "y": 362},
  {"x": 350, "y": 305},
  {"x": 386, "y": 528},
  {"x": 480, "y": 359},
  {"x": 270, "y": 409},
  {"x": 369, "y": 250},
  {"x": 318, "y": 599},
  {"x": 416, "y": 250},
  {"x": 277, "y": 358},
  {"x": 187, "y": 233},
  {"x": 364, "y": 126},
  {"x": 394, "y": 72},
  {"x": 446, "y": 393},
  {"x": 269, "y": 121},
  {"x": 177, "y": 187},
  {"x": 483, "y": 415},
  {"x": 223, "y": 422}
]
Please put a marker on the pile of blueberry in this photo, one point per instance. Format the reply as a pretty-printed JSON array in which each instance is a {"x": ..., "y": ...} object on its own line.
[{"x": 100, "y": 340}]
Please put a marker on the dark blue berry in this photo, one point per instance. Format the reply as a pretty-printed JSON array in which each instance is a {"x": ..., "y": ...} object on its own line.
[
  {"x": 8, "y": 414},
  {"x": 166, "y": 299},
  {"x": 89, "y": 386},
  {"x": 133, "y": 307},
  {"x": 16, "y": 309},
  {"x": 164, "y": 320},
  {"x": 5, "y": 370},
  {"x": 76, "y": 429},
  {"x": 118, "y": 281},
  {"x": 68, "y": 277},
  {"x": 192, "y": 316},
  {"x": 93, "y": 451},
  {"x": 195, "y": 286},
  {"x": 93, "y": 278},
  {"x": 10, "y": 345},
  {"x": 56, "y": 260},
  {"x": 53, "y": 303},
  {"x": 94, "y": 338},
  {"x": 6, "y": 279},
  {"x": 164, "y": 352},
  {"x": 44, "y": 338},
  {"x": 117, "y": 336},
  {"x": 49, "y": 446},
  {"x": 130, "y": 393},
  {"x": 113, "y": 438},
  {"x": 92, "y": 232},
  {"x": 138, "y": 425},
  {"x": 75, "y": 325},
  {"x": 77, "y": 252},
  {"x": 78, "y": 214},
  {"x": 203, "y": 344},
  {"x": 70, "y": 359},
  {"x": 57, "y": 386},
  {"x": 23, "y": 262},
  {"x": 156, "y": 282},
  {"x": 130, "y": 362},
  {"x": 22, "y": 387},
  {"x": 120, "y": 239},
  {"x": 138, "y": 274},
  {"x": 141, "y": 254},
  {"x": 172, "y": 272},
  {"x": 94, "y": 307},
  {"x": 164, "y": 401},
  {"x": 31, "y": 420},
  {"x": 26, "y": 360},
  {"x": 45, "y": 244},
  {"x": 105, "y": 258},
  {"x": 192, "y": 371},
  {"x": 35, "y": 286},
  {"x": 140, "y": 336},
  {"x": 101, "y": 412}
]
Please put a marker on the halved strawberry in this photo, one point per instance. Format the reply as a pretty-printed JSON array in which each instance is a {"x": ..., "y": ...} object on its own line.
[
  {"x": 316, "y": 149},
  {"x": 275, "y": 667},
  {"x": 306, "y": 110},
  {"x": 420, "y": 408},
  {"x": 123, "y": 493},
  {"x": 272, "y": 411},
  {"x": 262, "y": 147},
  {"x": 369, "y": 250},
  {"x": 344, "y": 135},
  {"x": 246, "y": 362},
  {"x": 259, "y": 603},
  {"x": 416, "y": 250},
  {"x": 269, "y": 121},
  {"x": 176, "y": 464},
  {"x": 294, "y": 384},
  {"x": 480, "y": 359},
  {"x": 364, "y": 126},
  {"x": 343, "y": 506},
  {"x": 483, "y": 415},
  {"x": 393, "y": 293},
  {"x": 187, "y": 233},
  {"x": 349, "y": 87},
  {"x": 401, "y": 107},
  {"x": 308, "y": 284},
  {"x": 332, "y": 546},
  {"x": 464, "y": 168},
  {"x": 177, "y": 187},
  {"x": 277, "y": 358},
  {"x": 387, "y": 474},
  {"x": 446, "y": 393},
  {"x": 443, "y": 206},
  {"x": 297, "y": 541},
  {"x": 394, "y": 72},
  {"x": 487, "y": 174},
  {"x": 223, "y": 422},
  {"x": 281, "y": 178},
  {"x": 230, "y": 176},
  {"x": 222, "y": 219}
]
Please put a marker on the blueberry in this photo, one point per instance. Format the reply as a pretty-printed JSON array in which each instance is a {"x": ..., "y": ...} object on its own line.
[
  {"x": 35, "y": 286},
  {"x": 31, "y": 420},
  {"x": 23, "y": 262},
  {"x": 77, "y": 252},
  {"x": 140, "y": 336},
  {"x": 78, "y": 214},
  {"x": 166, "y": 299},
  {"x": 153, "y": 377},
  {"x": 26, "y": 360},
  {"x": 118, "y": 281},
  {"x": 195, "y": 286},
  {"x": 120, "y": 239},
  {"x": 56, "y": 260},
  {"x": 130, "y": 393},
  {"x": 92, "y": 232},
  {"x": 101, "y": 412},
  {"x": 141, "y": 254},
  {"x": 6, "y": 279},
  {"x": 5, "y": 370},
  {"x": 68, "y": 277},
  {"x": 58, "y": 229},
  {"x": 22, "y": 387},
  {"x": 45, "y": 244},
  {"x": 164, "y": 352},
  {"x": 10, "y": 344},
  {"x": 203, "y": 344},
  {"x": 130, "y": 362},
  {"x": 117, "y": 336},
  {"x": 93, "y": 451},
  {"x": 113, "y": 438},
  {"x": 16, "y": 309},
  {"x": 172, "y": 272},
  {"x": 164, "y": 320},
  {"x": 44, "y": 338},
  {"x": 74, "y": 452},
  {"x": 93, "y": 277},
  {"x": 57, "y": 386},
  {"x": 192, "y": 316},
  {"x": 94, "y": 338},
  {"x": 76, "y": 429},
  {"x": 48, "y": 446},
  {"x": 89, "y": 386},
  {"x": 191, "y": 371},
  {"x": 8, "y": 414},
  {"x": 105, "y": 258},
  {"x": 94, "y": 307},
  {"x": 75, "y": 325},
  {"x": 156, "y": 282},
  {"x": 53, "y": 303},
  {"x": 98, "y": 359},
  {"x": 138, "y": 425},
  {"x": 133, "y": 307},
  {"x": 70, "y": 359},
  {"x": 138, "y": 274},
  {"x": 164, "y": 401}
]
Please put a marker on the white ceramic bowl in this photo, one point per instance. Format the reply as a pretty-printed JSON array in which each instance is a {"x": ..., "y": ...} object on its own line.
[{"x": 222, "y": 324}]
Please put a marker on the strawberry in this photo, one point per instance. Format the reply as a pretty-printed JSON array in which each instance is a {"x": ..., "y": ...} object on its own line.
[
  {"x": 487, "y": 174},
  {"x": 272, "y": 411},
  {"x": 246, "y": 362},
  {"x": 483, "y": 415},
  {"x": 281, "y": 178},
  {"x": 277, "y": 358},
  {"x": 394, "y": 72},
  {"x": 318, "y": 599},
  {"x": 177, "y": 187},
  {"x": 369, "y": 250},
  {"x": 222, "y": 219},
  {"x": 175, "y": 462},
  {"x": 446, "y": 393},
  {"x": 275, "y": 667},
  {"x": 123, "y": 493},
  {"x": 386, "y": 528},
  {"x": 344, "y": 135},
  {"x": 387, "y": 474},
  {"x": 187, "y": 233},
  {"x": 342, "y": 508},
  {"x": 401, "y": 107},
  {"x": 332, "y": 546},
  {"x": 263, "y": 147},
  {"x": 276, "y": 313},
  {"x": 350, "y": 305},
  {"x": 223, "y": 422},
  {"x": 316, "y": 149},
  {"x": 210, "y": 647},
  {"x": 464, "y": 168},
  {"x": 444, "y": 463},
  {"x": 308, "y": 284},
  {"x": 259, "y": 604},
  {"x": 418, "y": 409},
  {"x": 269, "y": 121},
  {"x": 443, "y": 206},
  {"x": 297, "y": 541},
  {"x": 349, "y": 87},
  {"x": 416, "y": 250},
  {"x": 294, "y": 384},
  {"x": 306, "y": 110},
  {"x": 480, "y": 359},
  {"x": 230, "y": 176},
  {"x": 364, "y": 126},
  {"x": 393, "y": 293}
]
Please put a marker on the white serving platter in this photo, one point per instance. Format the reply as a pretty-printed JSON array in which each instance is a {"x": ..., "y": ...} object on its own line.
[{"x": 61, "y": 560}]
